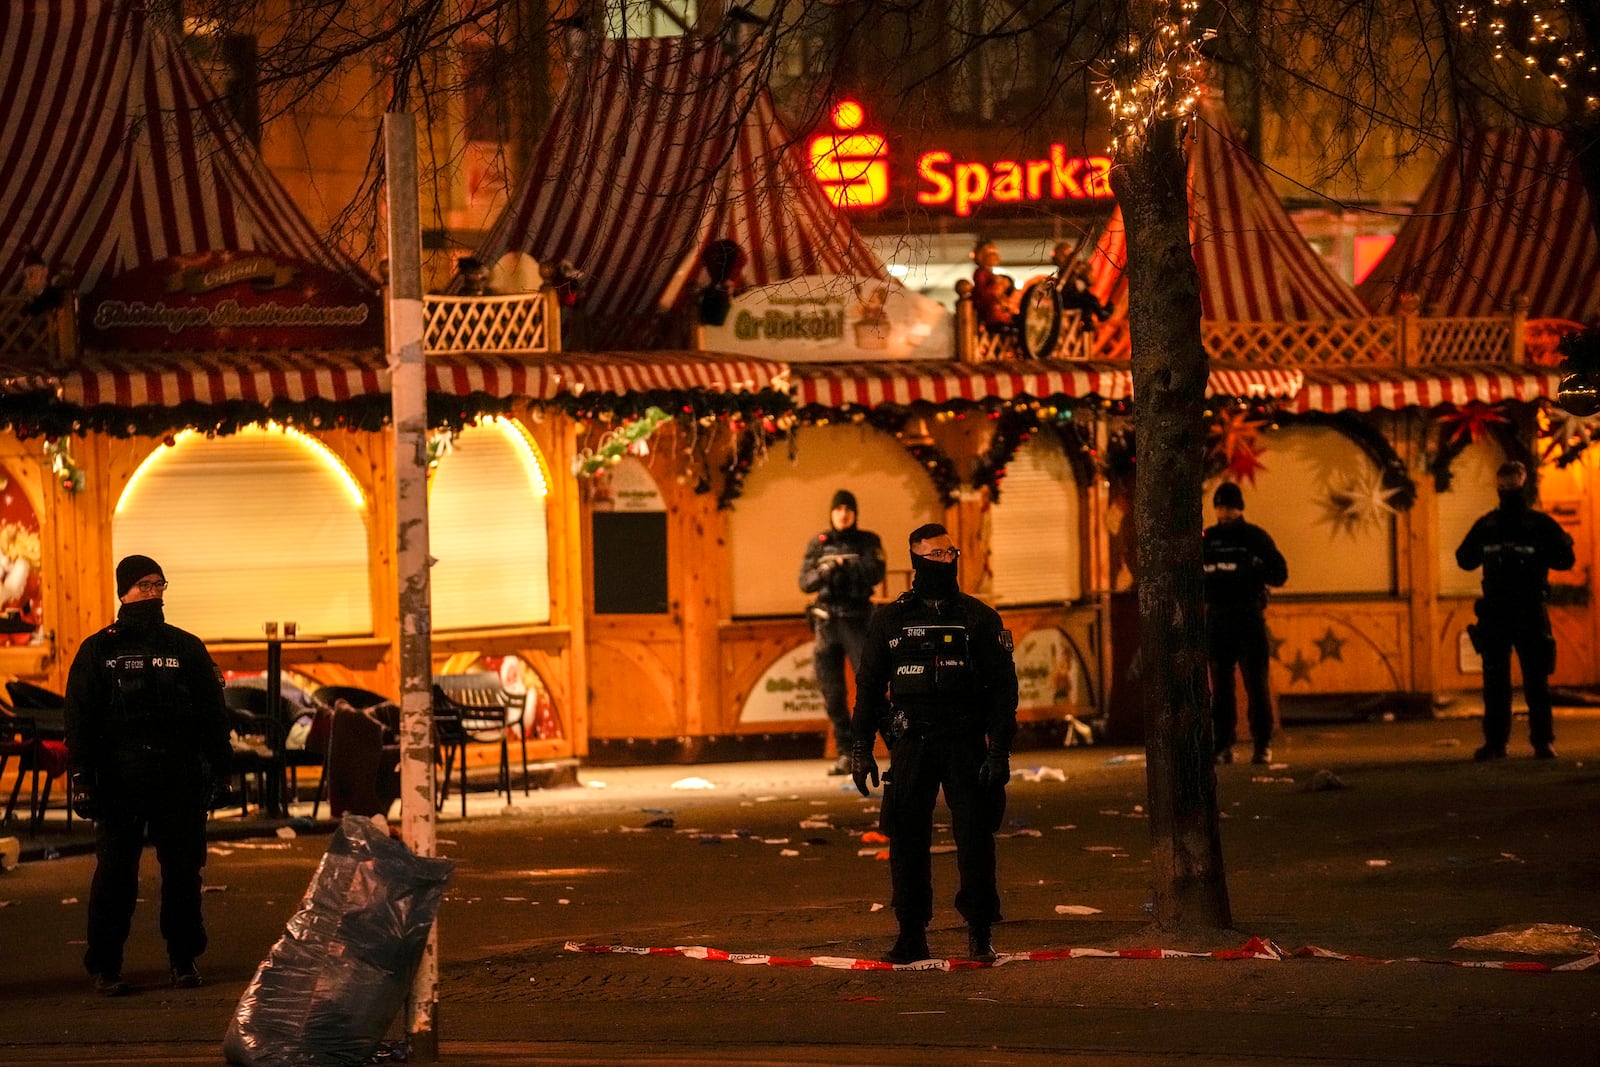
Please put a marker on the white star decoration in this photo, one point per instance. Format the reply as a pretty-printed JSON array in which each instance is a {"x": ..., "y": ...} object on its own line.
[{"x": 1360, "y": 501}]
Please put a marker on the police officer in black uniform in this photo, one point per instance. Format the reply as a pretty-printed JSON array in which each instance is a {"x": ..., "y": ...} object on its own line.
[
  {"x": 1517, "y": 547},
  {"x": 938, "y": 682},
  {"x": 148, "y": 735},
  {"x": 1240, "y": 561},
  {"x": 843, "y": 566}
]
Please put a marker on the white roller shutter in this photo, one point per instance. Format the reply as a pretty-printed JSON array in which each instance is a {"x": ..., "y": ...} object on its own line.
[
  {"x": 265, "y": 524},
  {"x": 1035, "y": 545},
  {"x": 1471, "y": 495},
  {"x": 488, "y": 530}
]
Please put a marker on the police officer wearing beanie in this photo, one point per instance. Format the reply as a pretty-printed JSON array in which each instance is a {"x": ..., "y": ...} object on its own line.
[
  {"x": 148, "y": 735},
  {"x": 938, "y": 682},
  {"x": 1240, "y": 562},
  {"x": 1517, "y": 547},
  {"x": 843, "y": 566}
]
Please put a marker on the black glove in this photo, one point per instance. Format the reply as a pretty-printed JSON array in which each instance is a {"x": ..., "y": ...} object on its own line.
[
  {"x": 863, "y": 766},
  {"x": 996, "y": 769},
  {"x": 85, "y": 805}
]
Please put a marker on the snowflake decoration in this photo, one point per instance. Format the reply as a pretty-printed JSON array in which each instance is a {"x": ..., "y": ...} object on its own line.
[
  {"x": 1360, "y": 502},
  {"x": 1566, "y": 436}
]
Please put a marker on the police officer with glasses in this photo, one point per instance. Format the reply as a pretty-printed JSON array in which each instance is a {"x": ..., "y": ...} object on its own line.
[{"x": 937, "y": 681}]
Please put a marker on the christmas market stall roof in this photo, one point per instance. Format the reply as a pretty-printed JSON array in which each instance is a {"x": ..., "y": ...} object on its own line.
[
  {"x": 1505, "y": 213},
  {"x": 117, "y": 153},
  {"x": 1254, "y": 264},
  {"x": 660, "y": 147},
  {"x": 950, "y": 384},
  {"x": 144, "y": 393},
  {"x": 1373, "y": 387}
]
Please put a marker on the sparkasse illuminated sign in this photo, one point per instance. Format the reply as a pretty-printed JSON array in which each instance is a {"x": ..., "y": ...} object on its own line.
[
  {"x": 966, "y": 184},
  {"x": 852, "y": 164}
]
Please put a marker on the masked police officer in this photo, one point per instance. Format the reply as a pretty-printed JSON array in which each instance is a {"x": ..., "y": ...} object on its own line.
[
  {"x": 843, "y": 566},
  {"x": 938, "y": 682},
  {"x": 1517, "y": 547},
  {"x": 1240, "y": 561},
  {"x": 148, "y": 735}
]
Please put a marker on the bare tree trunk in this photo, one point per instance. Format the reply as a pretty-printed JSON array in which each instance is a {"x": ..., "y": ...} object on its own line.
[{"x": 1169, "y": 380}]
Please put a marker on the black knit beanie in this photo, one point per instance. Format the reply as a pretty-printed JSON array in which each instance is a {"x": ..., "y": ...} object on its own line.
[
  {"x": 132, "y": 569},
  {"x": 1228, "y": 496},
  {"x": 844, "y": 498}
]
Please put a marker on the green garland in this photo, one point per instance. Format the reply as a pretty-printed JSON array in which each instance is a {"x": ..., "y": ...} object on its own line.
[{"x": 618, "y": 442}]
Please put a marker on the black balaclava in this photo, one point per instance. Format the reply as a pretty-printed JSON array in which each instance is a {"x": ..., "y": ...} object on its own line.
[
  {"x": 142, "y": 614},
  {"x": 1513, "y": 500},
  {"x": 932, "y": 579}
]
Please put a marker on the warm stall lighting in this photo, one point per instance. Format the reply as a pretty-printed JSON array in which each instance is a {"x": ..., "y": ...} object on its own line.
[
  {"x": 332, "y": 462},
  {"x": 532, "y": 460}
]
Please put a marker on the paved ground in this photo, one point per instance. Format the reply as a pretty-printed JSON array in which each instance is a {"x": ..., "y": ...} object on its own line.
[{"x": 1421, "y": 848}]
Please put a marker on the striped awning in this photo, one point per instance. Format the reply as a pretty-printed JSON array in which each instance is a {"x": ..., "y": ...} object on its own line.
[
  {"x": 660, "y": 146},
  {"x": 870, "y": 385},
  {"x": 547, "y": 377},
  {"x": 122, "y": 154},
  {"x": 1330, "y": 389},
  {"x": 137, "y": 380},
  {"x": 1251, "y": 382},
  {"x": 143, "y": 379},
  {"x": 1506, "y": 213},
  {"x": 1254, "y": 263},
  {"x": 836, "y": 385}
]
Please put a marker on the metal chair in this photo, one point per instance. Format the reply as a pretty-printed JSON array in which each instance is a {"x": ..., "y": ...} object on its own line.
[
  {"x": 249, "y": 717},
  {"x": 455, "y": 724},
  {"x": 485, "y": 692},
  {"x": 38, "y": 740}
]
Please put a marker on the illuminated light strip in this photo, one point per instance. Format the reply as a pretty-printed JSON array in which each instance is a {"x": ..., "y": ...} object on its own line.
[
  {"x": 331, "y": 461},
  {"x": 1255, "y": 949},
  {"x": 523, "y": 443},
  {"x": 144, "y": 467}
]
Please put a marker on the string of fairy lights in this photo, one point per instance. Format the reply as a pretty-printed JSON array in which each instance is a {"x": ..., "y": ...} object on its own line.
[
  {"x": 1540, "y": 39},
  {"x": 1154, "y": 75}
]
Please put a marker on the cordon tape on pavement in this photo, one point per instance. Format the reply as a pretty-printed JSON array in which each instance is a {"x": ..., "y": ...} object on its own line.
[{"x": 1254, "y": 949}]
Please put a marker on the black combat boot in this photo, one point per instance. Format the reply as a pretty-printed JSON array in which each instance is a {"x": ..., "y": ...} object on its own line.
[
  {"x": 910, "y": 946},
  {"x": 980, "y": 943}
]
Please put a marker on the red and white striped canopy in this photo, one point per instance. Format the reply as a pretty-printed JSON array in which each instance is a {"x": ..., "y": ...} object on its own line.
[
  {"x": 1254, "y": 264},
  {"x": 1330, "y": 389},
  {"x": 1506, "y": 213},
  {"x": 616, "y": 374},
  {"x": 117, "y": 153},
  {"x": 871, "y": 385},
  {"x": 660, "y": 147},
  {"x": 134, "y": 380}
]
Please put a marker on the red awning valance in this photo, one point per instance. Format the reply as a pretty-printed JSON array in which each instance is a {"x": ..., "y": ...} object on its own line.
[
  {"x": 154, "y": 379},
  {"x": 145, "y": 379},
  {"x": 1330, "y": 389},
  {"x": 870, "y": 385},
  {"x": 576, "y": 374}
]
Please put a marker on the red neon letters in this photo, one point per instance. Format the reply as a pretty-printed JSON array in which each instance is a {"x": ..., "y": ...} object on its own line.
[{"x": 966, "y": 185}]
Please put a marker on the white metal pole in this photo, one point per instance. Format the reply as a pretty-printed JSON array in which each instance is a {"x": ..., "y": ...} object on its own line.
[{"x": 408, "y": 385}]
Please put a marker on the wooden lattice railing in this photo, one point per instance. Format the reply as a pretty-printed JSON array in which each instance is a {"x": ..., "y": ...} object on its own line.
[
  {"x": 1462, "y": 341},
  {"x": 1407, "y": 339},
  {"x": 27, "y": 339},
  {"x": 1315, "y": 343},
  {"x": 505, "y": 325}
]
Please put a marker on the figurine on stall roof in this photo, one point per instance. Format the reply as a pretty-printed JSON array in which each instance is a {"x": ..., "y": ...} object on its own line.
[
  {"x": 43, "y": 290},
  {"x": 474, "y": 277},
  {"x": 993, "y": 293},
  {"x": 1074, "y": 286}
]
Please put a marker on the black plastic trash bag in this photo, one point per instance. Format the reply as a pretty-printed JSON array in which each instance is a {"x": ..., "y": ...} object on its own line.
[{"x": 328, "y": 991}]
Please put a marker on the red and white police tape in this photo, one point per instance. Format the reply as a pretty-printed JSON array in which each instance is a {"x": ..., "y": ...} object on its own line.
[{"x": 1254, "y": 949}]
